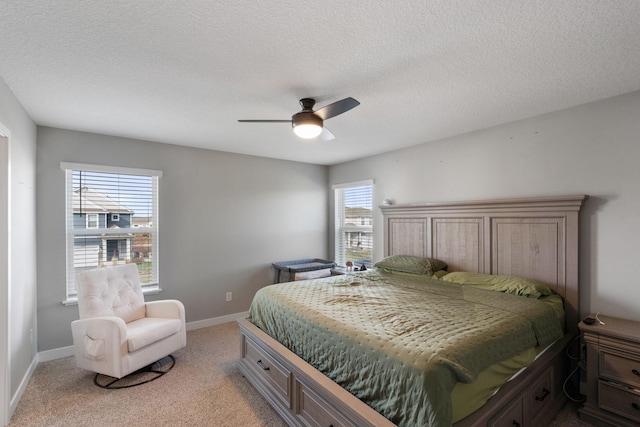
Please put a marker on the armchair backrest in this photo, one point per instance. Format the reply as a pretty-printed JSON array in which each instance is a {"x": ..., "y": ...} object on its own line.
[{"x": 111, "y": 291}]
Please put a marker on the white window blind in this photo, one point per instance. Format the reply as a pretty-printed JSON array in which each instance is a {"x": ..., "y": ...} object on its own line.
[
  {"x": 354, "y": 223},
  {"x": 111, "y": 219}
]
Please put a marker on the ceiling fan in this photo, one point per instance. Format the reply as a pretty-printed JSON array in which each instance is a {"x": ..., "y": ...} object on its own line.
[{"x": 308, "y": 123}]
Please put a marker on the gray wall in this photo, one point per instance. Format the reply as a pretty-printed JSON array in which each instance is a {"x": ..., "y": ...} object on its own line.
[
  {"x": 22, "y": 247},
  {"x": 591, "y": 149},
  {"x": 224, "y": 218}
]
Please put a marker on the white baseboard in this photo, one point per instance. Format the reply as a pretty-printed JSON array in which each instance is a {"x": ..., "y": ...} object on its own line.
[
  {"x": 15, "y": 399},
  {"x": 56, "y": 353},
  {"x": 216, "y": 321}
]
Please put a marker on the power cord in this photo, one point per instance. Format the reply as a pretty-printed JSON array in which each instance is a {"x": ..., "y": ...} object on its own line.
[{"x": 582, "y": 364}]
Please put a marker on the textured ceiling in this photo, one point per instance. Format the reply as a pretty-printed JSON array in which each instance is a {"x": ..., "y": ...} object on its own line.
[{"x": 183, "y": 72}]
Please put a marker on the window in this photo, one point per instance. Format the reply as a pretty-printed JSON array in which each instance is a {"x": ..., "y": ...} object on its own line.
[
  {"x": 92, "y": 220},
  {"x": 354, "y": 223},
  {"x": 111, "y": 219}
]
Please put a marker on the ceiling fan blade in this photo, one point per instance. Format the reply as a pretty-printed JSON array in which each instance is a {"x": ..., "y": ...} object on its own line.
[
  {"x": 264, "y": 121},
  {"x": 336, "y": 108},
  {"x": 326, "y": 135}
]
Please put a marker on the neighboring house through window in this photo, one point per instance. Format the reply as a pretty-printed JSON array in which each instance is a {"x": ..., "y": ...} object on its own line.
[
  {"x": 112, "y": 218},
  {"x": 354, "y": 223}
]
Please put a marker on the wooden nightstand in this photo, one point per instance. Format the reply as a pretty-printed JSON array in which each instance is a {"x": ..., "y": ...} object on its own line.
[{"x": 613, "y": 372}]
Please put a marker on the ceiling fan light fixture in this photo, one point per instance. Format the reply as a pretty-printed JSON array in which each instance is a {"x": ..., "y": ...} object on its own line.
[
  {"x": 306, "y": 125},
  {"x": 307, "y": 131}
]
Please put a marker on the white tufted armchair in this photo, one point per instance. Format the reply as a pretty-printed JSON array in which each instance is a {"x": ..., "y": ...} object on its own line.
[{"x": 118, "y": 333}]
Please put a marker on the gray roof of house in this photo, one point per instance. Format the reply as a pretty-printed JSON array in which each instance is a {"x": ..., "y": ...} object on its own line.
[
  {"x": 357, "y": 212},
  {"x": 94, "y": 201}
]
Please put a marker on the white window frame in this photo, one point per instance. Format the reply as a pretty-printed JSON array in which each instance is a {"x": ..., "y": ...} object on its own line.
[
  {"x": 95, "y": 219},
  {"x": 340, "y": 229},
  {"x": 115, "y": 217},
  {"x": 148, "y": 288}
]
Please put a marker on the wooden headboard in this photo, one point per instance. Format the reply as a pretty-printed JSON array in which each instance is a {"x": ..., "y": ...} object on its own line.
[{"x": 528, "y": 237}]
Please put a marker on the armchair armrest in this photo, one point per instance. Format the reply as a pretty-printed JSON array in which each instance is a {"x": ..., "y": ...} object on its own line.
[
  {"x": 99, "y": 341},
  {"x": 169, "y": 308},
  {"x": 108, "y": 328}
]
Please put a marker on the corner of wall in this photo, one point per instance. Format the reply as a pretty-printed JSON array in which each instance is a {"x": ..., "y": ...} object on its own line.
[{"x": 15, "y": 399}]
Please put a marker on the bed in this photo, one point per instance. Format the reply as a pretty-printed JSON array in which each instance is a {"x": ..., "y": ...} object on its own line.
[{"x": 528, "y": 238}]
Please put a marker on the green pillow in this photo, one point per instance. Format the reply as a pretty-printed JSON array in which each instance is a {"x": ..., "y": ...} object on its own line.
[
  {"x": 496, "y": 282},
  {"x": 438, "y": 274},
  {"x": 411, "y": 264}
]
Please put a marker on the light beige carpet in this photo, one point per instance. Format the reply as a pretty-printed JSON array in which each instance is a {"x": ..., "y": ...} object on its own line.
[{"x": 204, "y": 388}]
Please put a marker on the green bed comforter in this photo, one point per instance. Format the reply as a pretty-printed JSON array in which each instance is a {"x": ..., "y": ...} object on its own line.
[{"x": 400, "y": 342}]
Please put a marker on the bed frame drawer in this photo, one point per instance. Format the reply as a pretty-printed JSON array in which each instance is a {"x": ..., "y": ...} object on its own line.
[
  {"x": 270, "y": 372},
  {"x": 535, "y": 406},
  {"x": 315, "y": 411},
  {"x": 512, "y": 416},
  {"x": 541, "y": 395}
]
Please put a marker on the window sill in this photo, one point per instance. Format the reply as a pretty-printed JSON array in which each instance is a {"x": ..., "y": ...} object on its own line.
[{"x": 149, "y": 290}]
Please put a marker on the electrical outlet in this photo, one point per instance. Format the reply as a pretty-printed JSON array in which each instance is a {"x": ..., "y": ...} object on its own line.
[
  {"x": 31, "y": 335},
  {"x": 229, "y": 296}
]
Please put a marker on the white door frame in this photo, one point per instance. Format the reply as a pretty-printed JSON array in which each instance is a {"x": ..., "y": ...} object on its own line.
[{"x": 5, "y": 273}]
